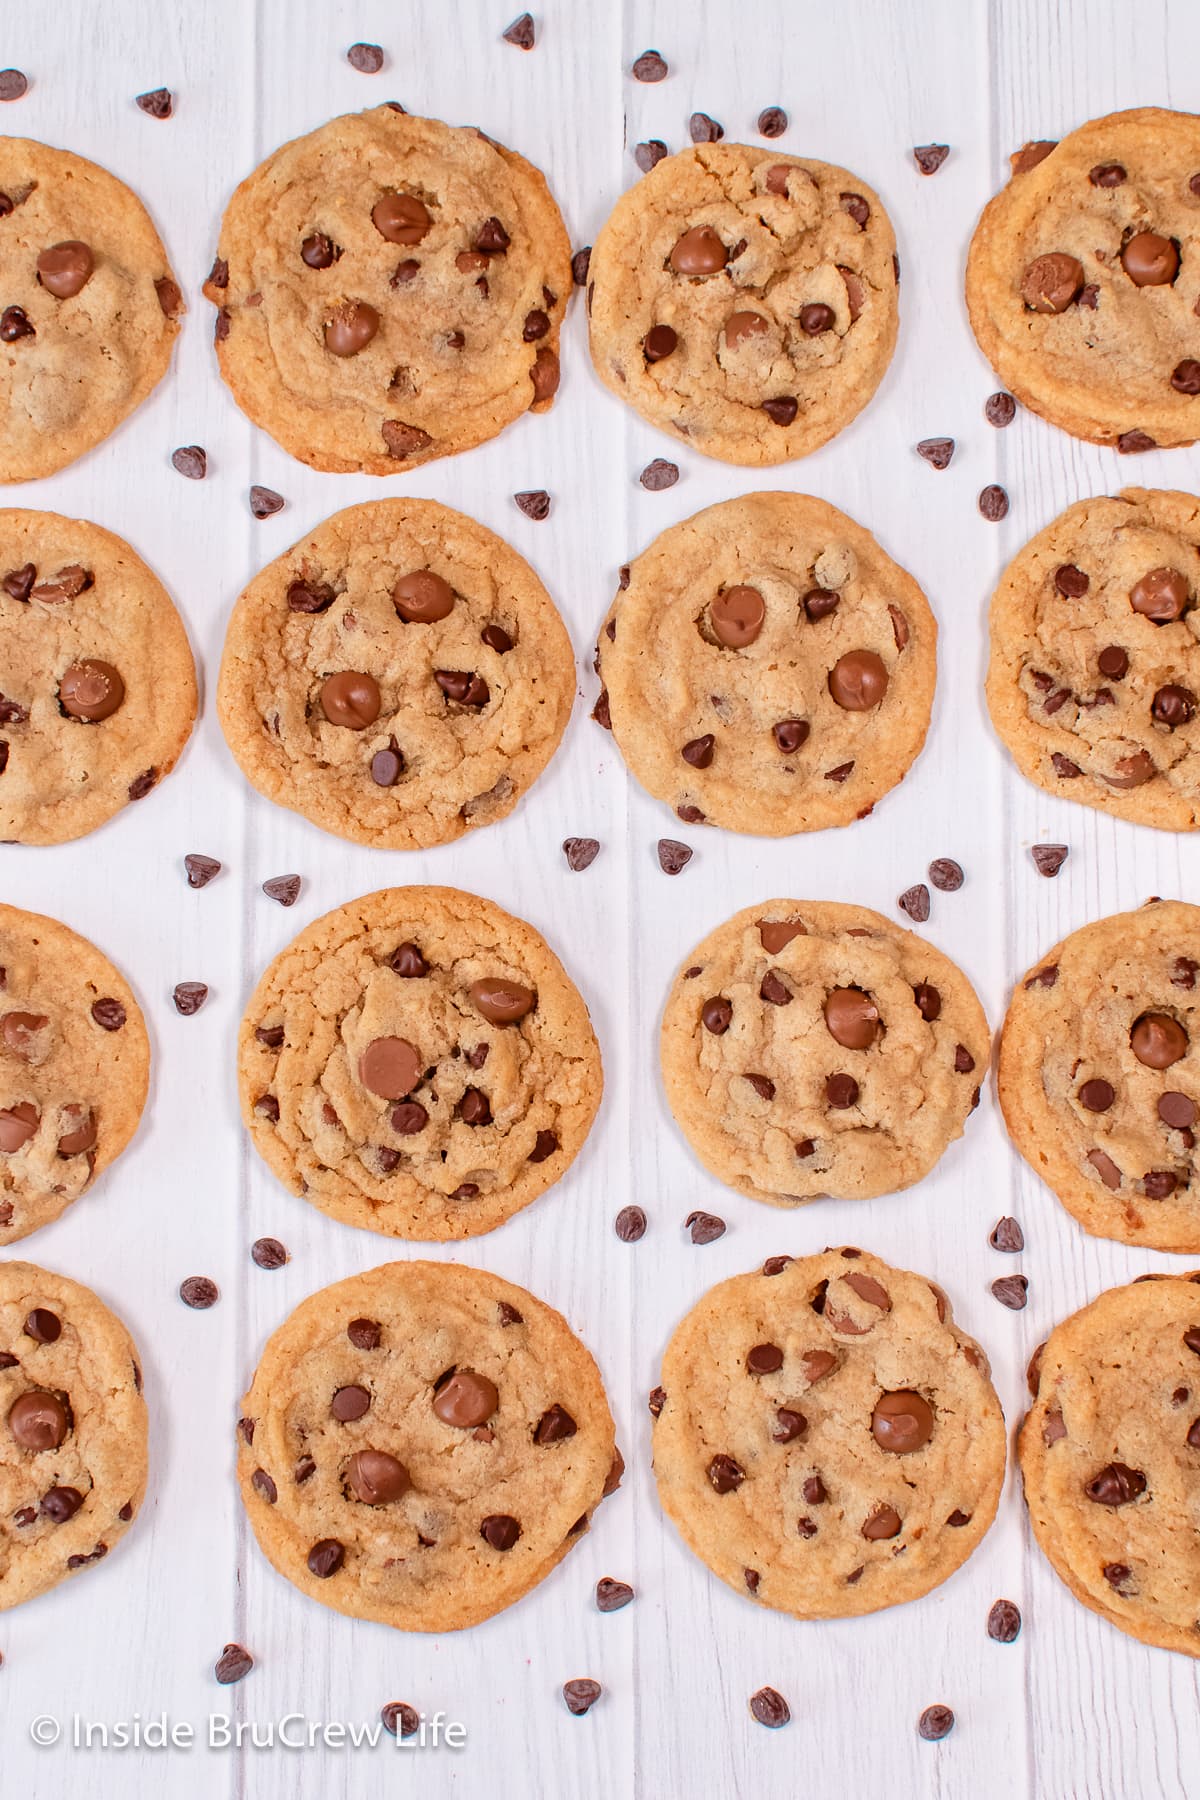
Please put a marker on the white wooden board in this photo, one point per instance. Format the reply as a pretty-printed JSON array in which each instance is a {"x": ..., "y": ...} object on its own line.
[{"x": 1072, "y": 1708}]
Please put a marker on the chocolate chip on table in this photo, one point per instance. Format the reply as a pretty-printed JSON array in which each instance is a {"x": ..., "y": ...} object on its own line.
[
  {"x": 1004, "y": 1622},
  {"x": 366, "y": 58},
  {"x": 157, "y": 103},
  {"x": 268, "y": 1253},
  {"x": 1006, "y": 1235},
  {"x": 630, "y": 1224},
  {"x": 534, "y": 503},
  {"x": 946, "y": 875},
  {"x": 198, "y": 1292},
  {"x": 649, "y": 66},
  {"x": 612, "y": 1595},
  {"x": 579, "y": 265},
  {"x": 190, "y": 460},
  {"x": 520, "y": 33},
  {"x": 200, "y": 869},
  {"x": 935, "y": 1722},
  {"x": 264, "y": 502},
  {"x": 284, "y": 888},
  {"x": 581, "y": 1695},
  {"x": 399, "y": 1715},
  {"x": 233, "y": 1664},
  {"x": 937, "y": 452},
  {"x": 915, "y": 902},
  {"x": 13, "y": 84},
  {"x": 930, "y": 157},
  {"x": 704, "y": 130},
  {"x": 673, "y": 856},
  {"x": 993, "y": 503},
  {"x": 769, "y": 1708},
  {"x": 705, "y": 1227},
  {"x": 189, "y": 997},
  {"x": 1048, "y": 859},
  {"x": 1011, "y": 1291},
  {"x": 772, "y": 122},
  {"x": 1000, "y": 409},
  {"x": 658, "y": 475},
  {"x": 580, "y": 853},
  {"x": 648, "y": 154}
]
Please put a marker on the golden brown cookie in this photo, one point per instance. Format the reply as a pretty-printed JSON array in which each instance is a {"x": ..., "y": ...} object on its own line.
[
  {"x": 73, "y": 1453},
  {"x": 768, "y": 668},
  {"x": 390, "y": 289},
  {"x": 97, "y": 682},
  {"x": 1110, "y": 1455},
  {"x": 89, "y": 308},
  {"x": 1099, "y": 1077},
  {"x": 418, "y": 1062},
  {"x": 826, "y": 1439},
  {"x": 1095, "y": 668},
  {"x": 422, "y": 1444},
  {"x": 74, "y": 1068},
  {"x": 400, "y": 676},
  {"x": 812, "y": 1049},
  {"x": 1083, "y": 279},
  {"x": 745, "y": 300}
]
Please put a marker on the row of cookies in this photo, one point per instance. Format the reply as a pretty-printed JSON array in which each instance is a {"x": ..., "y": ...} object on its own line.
[
  {"x": 400, "y": 676},
  {"x": 421, "y": 1444},
  {"x": 419, "y": 1063},
  {"x": 390, "y": 289}
]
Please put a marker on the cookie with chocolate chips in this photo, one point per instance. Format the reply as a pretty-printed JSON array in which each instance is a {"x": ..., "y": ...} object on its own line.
[
  {"x": 390, "y": 289},
  {"x": 744, "y": 300},
  {"x": 74, "y": 1069},
  {"x": 767, "y": 667},
  {"x": 1099, "y": 1074},
  {"x": 422, "y": 1444},
  {"x": 829, "y": 1441},
  {"x": 1110, "y": 1456},
  {"x": 97, "y": 682},
  {"x": 400, "y": 676},
  {"x": 1095, "y": 668},
  {"x": 1083, "y": 280},
  {"x": 812, "y": 1049},
  {"x": 73, "y": 1452},
  {"x": 89, "y": 308},
  {"x": 418, "y": 1062}
]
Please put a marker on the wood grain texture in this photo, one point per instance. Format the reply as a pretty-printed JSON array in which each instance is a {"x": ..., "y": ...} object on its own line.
[{"x": 1072, "y": 1708}]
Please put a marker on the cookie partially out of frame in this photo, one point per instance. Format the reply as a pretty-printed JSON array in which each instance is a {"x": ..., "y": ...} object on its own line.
[
  {"x": 745, "y": 300},
  {"x": 389, "y": 290},
  {"x": 1084, "y": 276},
  {"x": 422, "y": 1444},
  {"x": 827, "y": 1440}
]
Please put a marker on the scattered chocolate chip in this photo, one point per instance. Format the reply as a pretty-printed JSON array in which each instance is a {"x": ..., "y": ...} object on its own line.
[
  {"x": 930, "y": 157},
  {"x": 936, "y": 1722},
  {"x": 612, "y": 1595},
  {"x": 703, "y": 130},
  {"x": 705, "y": 1227},
  {"x": 268, "y": 1253},
  {"x": 534, "y": 503},
  {"x": 198, "y": 1292},
  {"x": 581, "y": 1695},
  {"x": 647, "y": 155},
  {"x": 649, "y": 66},
  {"x": 1011, "y": 1291},
  {"x": 659, "y": 475},
  {"x": 1007, "y": 1235},
  {"x": 284, "y": 888},
  {"x": 233, "y": 1664},
  {"x": 993, "y": 503},
  {"x": 946, "y": 875},
  {"x": 398, "y": 1716},
  {"x": 264, "y": 502},
  {"x": 189, "y": 997},
  {"x": 673, "y": 856},
  {"x": 520, "y": 33},
  {"x": 157, "y": 103},
  {"x": 366, "y": 58},
  {"x": 1048, "y": 859},
  {"x": 200, "y": 869},
  {"x": 13, "y": 84},
  {"x": 768, "y": 1707},
  {"x": 190, "y": 460},
  {"x": 580, "y": 853},
  {"x": 915, "y": 902},
  {"x": 1000, "y": 410},
  {"x": 937, "y": 452},
  {"x": 630, "y": 1224},
  {"x": 772, "y": 122},
  {"x": 579, "y": 266}
]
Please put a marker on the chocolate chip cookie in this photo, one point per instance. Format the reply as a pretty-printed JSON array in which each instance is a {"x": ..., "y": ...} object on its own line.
[
  {"x": 390, "y": 289},
  {"x": 74, "y": 1068},
  {"x": 1110, "y": 1455},
  {"x": 768, "y": 667},
  {"x": 812, "y": 1049},
  {"x": 73, "y": 1452},
  {"x": 97, "y": 683},
  {"x": 1098, "y": 1079},
  {"x": 422, "y": 1444},
  {"x": 744, "y": 300},
  {"x": 1083, "y": 279},
  {"x": 829, "y": 1442},
  {"x": 1095, "y": 668},
  {"x": 400, "y": 676},
  {"x": 89, "y": 308},
  {"x": 418, "y": 1062}
]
